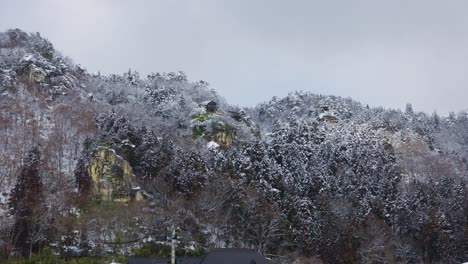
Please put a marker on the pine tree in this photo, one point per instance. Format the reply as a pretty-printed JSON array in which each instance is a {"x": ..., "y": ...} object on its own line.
[
  {"x": 27, "y": 203},
  {"x": 409, "y": 109},
  {"x": 436, "y": 120},
  {"x": 82, "y": 178}
]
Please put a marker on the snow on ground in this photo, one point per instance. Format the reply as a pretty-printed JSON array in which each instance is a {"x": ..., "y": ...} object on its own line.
[{"x": 212, "y": 145}]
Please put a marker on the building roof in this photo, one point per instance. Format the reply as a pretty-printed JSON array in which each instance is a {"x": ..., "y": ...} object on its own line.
[
  {"x": 179, "y": 260},
  {"x": 234, "y": 256},
  {"x": 216, "y": 256},
  {"x": 210, "y": 106},
  {"x": 188, "y": 260},
  {"x": 146, "y": 261}
]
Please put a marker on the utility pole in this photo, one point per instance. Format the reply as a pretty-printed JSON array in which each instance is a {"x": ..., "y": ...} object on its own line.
[{"x": 173, "y": 245}]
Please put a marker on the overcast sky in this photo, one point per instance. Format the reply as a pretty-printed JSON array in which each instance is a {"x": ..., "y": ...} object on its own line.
[{"x": 378, "y": 52}]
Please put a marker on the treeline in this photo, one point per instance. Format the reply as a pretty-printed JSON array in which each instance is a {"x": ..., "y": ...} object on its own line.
[{"x": 307, "y": 177}]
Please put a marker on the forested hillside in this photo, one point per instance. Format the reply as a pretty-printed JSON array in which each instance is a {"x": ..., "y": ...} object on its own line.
[{"x": 96, "y": 165}]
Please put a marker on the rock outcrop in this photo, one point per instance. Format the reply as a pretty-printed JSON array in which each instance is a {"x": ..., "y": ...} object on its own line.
[{"x": 113, "y": 178}]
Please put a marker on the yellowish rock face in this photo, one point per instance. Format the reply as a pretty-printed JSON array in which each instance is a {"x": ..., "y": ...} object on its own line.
[
  {"x": 112, "y": 176},
  {"x": 35, "y": 76}
]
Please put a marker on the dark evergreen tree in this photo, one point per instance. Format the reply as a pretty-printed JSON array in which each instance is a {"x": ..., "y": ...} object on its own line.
[
  {"x": 409, "y": 109},
  {"x": 83, "y": 180},
  {"x": 27, "y": 204}
]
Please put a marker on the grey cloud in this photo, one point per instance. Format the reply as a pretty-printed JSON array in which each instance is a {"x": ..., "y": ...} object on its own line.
[{"x": 379, "y": 52}]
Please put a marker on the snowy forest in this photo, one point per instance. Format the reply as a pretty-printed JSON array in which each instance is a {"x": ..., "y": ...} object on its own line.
[{"x": 97, "y": 166}]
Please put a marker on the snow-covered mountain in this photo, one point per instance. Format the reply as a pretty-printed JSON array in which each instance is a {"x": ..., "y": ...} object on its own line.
[{"x": 124, "y": 158}]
